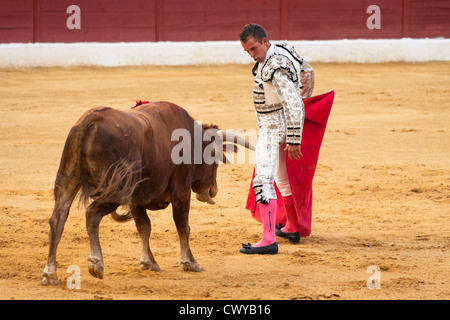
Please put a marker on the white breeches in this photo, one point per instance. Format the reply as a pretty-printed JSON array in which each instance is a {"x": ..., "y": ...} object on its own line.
[
  {"x": 270, "y": 157},
  {"x": 282, "y": 178}
]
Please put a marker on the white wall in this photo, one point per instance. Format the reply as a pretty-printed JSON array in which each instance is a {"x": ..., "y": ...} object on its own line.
[{"x": 221, "y": 52}]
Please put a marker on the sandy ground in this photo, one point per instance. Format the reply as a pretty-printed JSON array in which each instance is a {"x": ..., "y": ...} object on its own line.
[{"x": 381, "y": 190}]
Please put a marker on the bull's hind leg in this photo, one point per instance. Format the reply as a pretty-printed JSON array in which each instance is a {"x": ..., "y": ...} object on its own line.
[
  {"x": 144, "y": 228},
  {"x": 67, "y": 184},
  {"x": 94, "y": 214},
  {"x": 65, "y": 192},
  {"x": 181, "y": 206}
]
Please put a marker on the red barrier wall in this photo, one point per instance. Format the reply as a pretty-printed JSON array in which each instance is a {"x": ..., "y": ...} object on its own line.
[{"x": 207, "y": 20}]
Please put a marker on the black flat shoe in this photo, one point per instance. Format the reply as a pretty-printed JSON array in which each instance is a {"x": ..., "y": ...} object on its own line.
[
  {"x": 293, "y": 237},
  {"x": 249, "y": 249}
]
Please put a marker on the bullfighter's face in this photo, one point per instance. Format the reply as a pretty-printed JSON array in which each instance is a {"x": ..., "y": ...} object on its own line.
[{"x": 257, "y": 50}]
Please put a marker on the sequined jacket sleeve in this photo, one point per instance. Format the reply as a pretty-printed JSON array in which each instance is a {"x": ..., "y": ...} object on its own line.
[{"x": 293, "y": 106}]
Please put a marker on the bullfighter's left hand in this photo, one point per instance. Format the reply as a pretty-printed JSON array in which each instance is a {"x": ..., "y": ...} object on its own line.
[{"x": 294, "y": 151}]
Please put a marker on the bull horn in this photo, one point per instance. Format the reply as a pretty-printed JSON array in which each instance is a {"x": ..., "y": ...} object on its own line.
[{"x": 231, "y": 136}]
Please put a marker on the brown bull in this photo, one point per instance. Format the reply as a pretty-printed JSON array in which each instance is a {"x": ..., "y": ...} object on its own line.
[{"x": 126, "y": 158}]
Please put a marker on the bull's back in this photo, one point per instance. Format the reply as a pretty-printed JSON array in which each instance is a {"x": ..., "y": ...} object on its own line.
[
  {"x": 141, "y": 136},
  {"x": 166, "y": 115},
  {"x": 107, "y": 133}
]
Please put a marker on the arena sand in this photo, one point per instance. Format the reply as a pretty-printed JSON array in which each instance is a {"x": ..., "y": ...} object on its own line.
[{"x": 381, "y": 190}]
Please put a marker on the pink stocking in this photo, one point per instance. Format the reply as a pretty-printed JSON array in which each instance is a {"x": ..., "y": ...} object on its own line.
[
  {"x": 268, "y": 213},
  {"x": 291, "y": 213}
]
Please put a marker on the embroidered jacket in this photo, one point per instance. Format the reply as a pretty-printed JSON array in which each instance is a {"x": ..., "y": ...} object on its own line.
[{"x": 278, "y": 86}]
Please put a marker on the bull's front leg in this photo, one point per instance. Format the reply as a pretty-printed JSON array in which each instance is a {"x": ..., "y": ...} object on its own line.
[{"x": 181, "y": 205}]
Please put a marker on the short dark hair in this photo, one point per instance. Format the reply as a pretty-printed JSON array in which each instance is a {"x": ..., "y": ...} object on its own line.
[{"x": 252, "y": 30}]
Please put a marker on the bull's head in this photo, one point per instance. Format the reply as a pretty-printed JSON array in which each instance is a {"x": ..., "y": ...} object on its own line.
[{"x": 216, "y": 143}]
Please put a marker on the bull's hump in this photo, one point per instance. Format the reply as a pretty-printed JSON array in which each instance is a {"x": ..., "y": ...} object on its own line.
[
  {"x": 100, "y": 109},
  {"x": 164, "y": 106},
  {"x": 162, "y": 110}
]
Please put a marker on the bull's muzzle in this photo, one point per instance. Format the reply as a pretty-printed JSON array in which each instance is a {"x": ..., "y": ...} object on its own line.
[{"x": 208, "y": 194}]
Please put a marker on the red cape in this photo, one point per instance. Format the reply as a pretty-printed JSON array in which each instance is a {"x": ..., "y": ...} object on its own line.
[{"x": 301, "y": 172}]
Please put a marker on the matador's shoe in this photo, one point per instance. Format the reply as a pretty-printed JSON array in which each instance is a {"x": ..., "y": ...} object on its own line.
[
  {"x": 249, "y": 249},
  {"x": 293, "y": 237}
]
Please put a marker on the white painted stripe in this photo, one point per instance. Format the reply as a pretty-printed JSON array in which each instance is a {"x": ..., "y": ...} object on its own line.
[{"x": 216, "y": 52}]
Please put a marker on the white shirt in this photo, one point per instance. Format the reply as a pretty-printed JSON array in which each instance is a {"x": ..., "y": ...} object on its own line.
[{"x": 269, "y": 52}]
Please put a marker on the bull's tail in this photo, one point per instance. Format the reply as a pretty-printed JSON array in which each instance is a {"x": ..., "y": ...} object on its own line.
[
  {"x": 118, "y": 182},
  {"x": 117, "y": 185}
]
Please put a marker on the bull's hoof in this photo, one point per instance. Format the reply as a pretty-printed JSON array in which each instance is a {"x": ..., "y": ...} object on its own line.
[
  {"x": 190, "y": 266},
  {"x": 147, "y": 265},
  {"x": 95, "y": 268},
  {"x": 50, "y": 279}
]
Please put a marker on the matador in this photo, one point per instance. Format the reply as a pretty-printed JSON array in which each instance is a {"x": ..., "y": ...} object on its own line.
[{"x": 282, "y": 80}]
